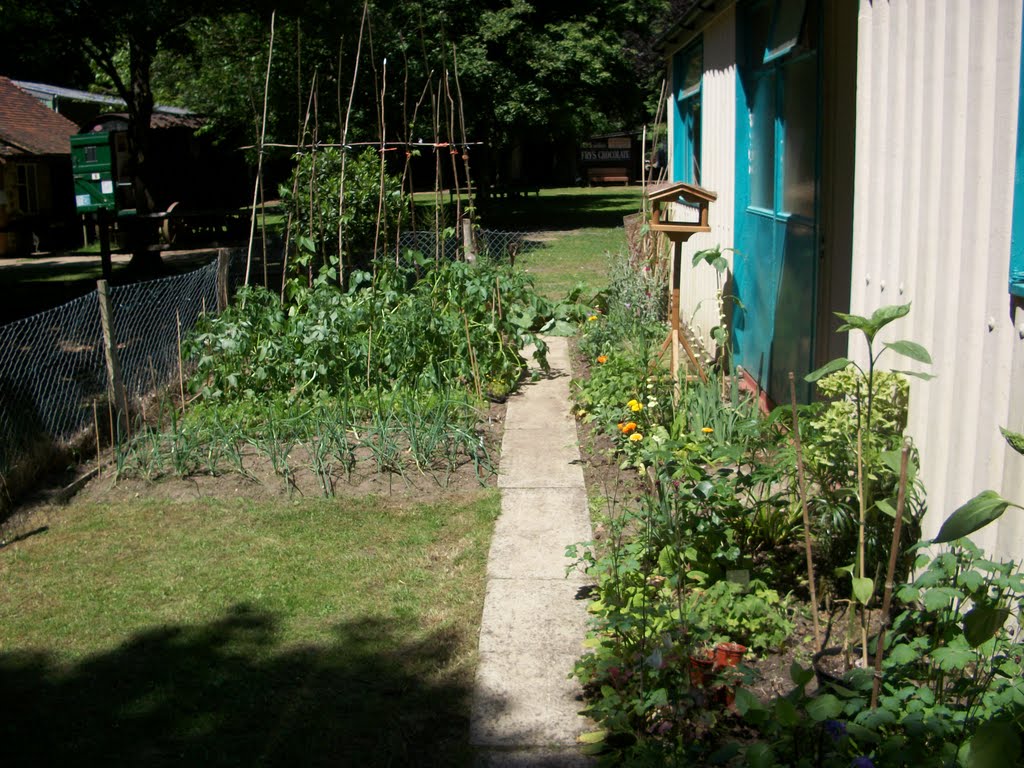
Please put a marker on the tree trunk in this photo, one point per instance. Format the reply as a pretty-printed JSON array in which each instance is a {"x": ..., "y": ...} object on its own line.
[{"x": 140, "y": 115}]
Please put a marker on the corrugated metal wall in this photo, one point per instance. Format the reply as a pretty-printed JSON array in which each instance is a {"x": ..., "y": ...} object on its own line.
[
  {"x": 937, "y": 93},
  {"x": 718, "y": 171}
]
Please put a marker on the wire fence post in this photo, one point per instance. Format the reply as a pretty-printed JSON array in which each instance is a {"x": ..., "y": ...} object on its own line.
[
  {"x": 467, "y": 238},
  {"x": 115, "y": 384},
  {"x": 223, "y": 274}
]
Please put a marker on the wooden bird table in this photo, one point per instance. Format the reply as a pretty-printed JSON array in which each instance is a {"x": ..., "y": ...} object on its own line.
[{"x": 694, "y": 203}]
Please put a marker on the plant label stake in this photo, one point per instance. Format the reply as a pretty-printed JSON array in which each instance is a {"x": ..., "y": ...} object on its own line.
[
  {"x": 901, "y": 498},
  {"x": 802, "y": 488}
]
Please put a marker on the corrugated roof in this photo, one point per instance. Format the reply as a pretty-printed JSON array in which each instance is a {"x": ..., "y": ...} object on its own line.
[
  {"x": 27, "y": 127},
  {"x": 682, "y": 14},
  {"x": 119, "y": 121},
  {"x": 47, "y": 93}
]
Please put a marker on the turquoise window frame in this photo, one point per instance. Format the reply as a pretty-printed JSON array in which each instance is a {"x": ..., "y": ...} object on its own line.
[
  {"x": 767, "y": 279},
  {"x": 1017, "y": 234},
  {"x": 686, "y": 150}
]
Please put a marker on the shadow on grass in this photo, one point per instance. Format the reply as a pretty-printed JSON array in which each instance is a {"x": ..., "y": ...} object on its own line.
[
  {"x": 562, "y": 210},
  {"x": 222, "y": 694},
  {"x": 553, "y": 209}
]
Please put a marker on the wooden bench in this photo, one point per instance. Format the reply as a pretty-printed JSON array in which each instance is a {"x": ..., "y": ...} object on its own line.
[
  {"x": 511, "y": 191},
  {"x": 607, "y": 176}
]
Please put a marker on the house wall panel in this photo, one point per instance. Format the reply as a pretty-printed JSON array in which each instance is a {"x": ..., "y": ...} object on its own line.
[
  {"x": 937, "y": 113},
  {"x": 718, "y": 172}
]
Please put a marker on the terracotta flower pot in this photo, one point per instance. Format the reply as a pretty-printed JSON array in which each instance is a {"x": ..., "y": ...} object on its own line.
[
  {"x": 729, "y": 654},
  {"x": 702, "y": 669}
]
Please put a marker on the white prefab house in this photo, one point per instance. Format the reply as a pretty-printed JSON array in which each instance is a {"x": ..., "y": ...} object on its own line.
[{"x": 865, "y": 153}]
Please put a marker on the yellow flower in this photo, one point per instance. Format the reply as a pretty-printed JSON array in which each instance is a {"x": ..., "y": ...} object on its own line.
[
  {"x": 636, "y": 437},
  {"x": 602, "y": 359},
  {"x": 592, "y": 318},
  {"x": 707, "y": 430},
  {"x": 635, "y": 406}
]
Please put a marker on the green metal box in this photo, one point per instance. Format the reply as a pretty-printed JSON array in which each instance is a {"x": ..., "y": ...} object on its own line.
[{"x": 94, "y": 162}]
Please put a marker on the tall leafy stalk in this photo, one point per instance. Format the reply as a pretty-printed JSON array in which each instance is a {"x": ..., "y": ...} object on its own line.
[{"x": 869, "y": 327}]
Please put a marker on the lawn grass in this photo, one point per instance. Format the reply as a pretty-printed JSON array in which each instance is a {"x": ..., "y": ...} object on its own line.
[
  {"x": 577, "y": 229},
  {"x": 232, "y": 632}
]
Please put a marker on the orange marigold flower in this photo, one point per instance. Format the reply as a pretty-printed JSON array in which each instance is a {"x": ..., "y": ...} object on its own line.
[
  {"x": 602, "y": 359},
  {"x": 629, "y": 426}
]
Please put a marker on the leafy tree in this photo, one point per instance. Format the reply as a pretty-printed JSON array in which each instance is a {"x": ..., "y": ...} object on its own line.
[
  {"x": 22, "y": 56},
  {"x": 527, "y": 70},
  {"x": 121, "y": 38}
]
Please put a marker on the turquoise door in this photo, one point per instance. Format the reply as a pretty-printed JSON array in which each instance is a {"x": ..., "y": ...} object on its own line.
[{"x": 777, "y": 170}]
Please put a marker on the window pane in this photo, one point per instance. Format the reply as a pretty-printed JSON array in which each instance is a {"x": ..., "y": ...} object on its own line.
[
  {"x": 762, "y": 144},
  {"x": 687, "y": 69},
  {"x": 789, "y": 17},
  {"x": 757, "y": 25},
  {"x": 695, "y": 138},
  {"x": 693, "y": 72},
  {"x": 799, "y": 118}
]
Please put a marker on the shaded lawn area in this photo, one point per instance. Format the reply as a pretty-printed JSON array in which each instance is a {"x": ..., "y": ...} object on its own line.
[{"x": 244, "y": 633}]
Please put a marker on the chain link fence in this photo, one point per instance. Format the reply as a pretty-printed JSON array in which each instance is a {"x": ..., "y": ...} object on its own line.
[
  {"x": 146, "y": 319},
  {"x": 490, "y": 243},
  {"x": 53, "y": 374}
]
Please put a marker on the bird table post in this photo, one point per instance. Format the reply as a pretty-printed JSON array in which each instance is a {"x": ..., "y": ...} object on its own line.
[{"x": 692, "y": 204}]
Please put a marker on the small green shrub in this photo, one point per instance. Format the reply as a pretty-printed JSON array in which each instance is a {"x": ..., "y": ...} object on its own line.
[
  {"x": 751, "y": 614},
  {"x": 311, "y": 199}
]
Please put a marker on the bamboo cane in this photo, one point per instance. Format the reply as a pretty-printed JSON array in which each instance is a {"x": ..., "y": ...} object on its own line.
[
  {"x": 383, "y": 158},
  {"x": 96, "y": 430},
  {"x": 802, "y": 489},
  {"x": 259, "y": 161},
  {"x": 181, "y": 371},
  {"x": 344, "y": 152},
  {"x": 890, "y": 574}
]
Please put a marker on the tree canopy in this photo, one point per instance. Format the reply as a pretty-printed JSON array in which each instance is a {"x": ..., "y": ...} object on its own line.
[{"x": 511, "y": 71}]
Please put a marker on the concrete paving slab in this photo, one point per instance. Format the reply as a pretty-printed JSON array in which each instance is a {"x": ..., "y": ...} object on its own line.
[
  {"x": 535, "y": 527},
  {"x": 537, "y": 614},
  {"x": 534, "y": 758},
  {"x": 539, "y": 459},
  {"x": 531, "y": 634},
  {"x": 544, "y": 411}
]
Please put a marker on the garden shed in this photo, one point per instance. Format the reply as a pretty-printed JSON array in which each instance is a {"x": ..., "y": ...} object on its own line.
[{"x": 868, "y": 153}]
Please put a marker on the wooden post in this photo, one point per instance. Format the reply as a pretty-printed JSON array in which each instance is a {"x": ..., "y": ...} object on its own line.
[
  {"x": 468, "y": 243},
  {"x": 223, "y": 269},
  {"x": 677, "y": 255},
  {"x": 103, "y": 224},
  {"x": 115, "y": 384}
]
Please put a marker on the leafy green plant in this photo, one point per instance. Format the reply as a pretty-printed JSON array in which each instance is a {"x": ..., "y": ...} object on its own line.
[
  {"x": 332, "y": 230},
  {"x": 867, "y": 448},
  {"x": 453, "y": 326},
  {"x": 952, "y": 692},
  {"x": 752, "y": 614},
  {"x": 831, "y": 462}
]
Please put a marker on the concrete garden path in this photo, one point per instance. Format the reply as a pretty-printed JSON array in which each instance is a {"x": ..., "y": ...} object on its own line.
[{"x": 534, "y": 619}]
